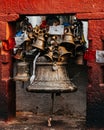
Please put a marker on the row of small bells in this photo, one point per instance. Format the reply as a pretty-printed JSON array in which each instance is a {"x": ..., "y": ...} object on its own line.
[{"x": 51, "y": 72}]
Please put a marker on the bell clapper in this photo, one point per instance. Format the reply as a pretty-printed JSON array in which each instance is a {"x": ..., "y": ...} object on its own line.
[
  {"x": 49, "y": 121},
  {"x": 23, "y": 84},
  {"x": 52, "y": 107},
  {"x": 54, "y": 67},
  {"x": 52, "y": 98}
]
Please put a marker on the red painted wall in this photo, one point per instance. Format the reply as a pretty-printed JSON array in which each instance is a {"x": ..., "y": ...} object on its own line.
[
  {"x": 91, "y": 10},
  {"x": 85, "y": 9},
  {"x": 50, "y": 6}
]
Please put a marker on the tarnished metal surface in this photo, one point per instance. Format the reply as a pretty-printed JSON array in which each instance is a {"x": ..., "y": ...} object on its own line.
[
  {"x": 23, "y": 72},
  {"x": 50, "y": 78}
]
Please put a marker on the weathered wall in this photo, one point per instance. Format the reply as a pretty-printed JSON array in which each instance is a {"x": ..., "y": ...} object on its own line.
[
  {"x": 95, "y": 89},
  {"x": 50, "y": 6},
  {"x": 91, "y": 10},
  {"x": 7, "y": 86}
]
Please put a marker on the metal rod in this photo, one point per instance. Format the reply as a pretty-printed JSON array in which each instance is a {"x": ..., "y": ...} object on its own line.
[
  {"x": 23, "y": 84},
  {"x": 52, "y": 107},
  {"x": 52, "y": 98}
]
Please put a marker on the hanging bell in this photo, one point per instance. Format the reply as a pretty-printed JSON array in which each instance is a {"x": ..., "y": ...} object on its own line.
[
  {"x": 49, "y": 56},
  {"x": 68, "y": 41},
  {"x": 48, "y": 80},
  {"x": 19, "y": 54},
  {"x": 79, "y": 48},
  {"x": 79, "y": 54},
  {"x": 31, "y": 35},
  {"x": 79, "y": 59},
  {"x": 27, "y": 45},
  {"x": 22, "y": 72},
  {"x": 39, "y": 43},
  {"x": 27, "y": 40},
  {"x": 63, "y": 53},
  {"x": 55, "y": 55},
  {"x": 36, "y": 29}
]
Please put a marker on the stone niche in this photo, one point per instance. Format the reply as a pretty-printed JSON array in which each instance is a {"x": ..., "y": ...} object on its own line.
[{"x": 91, "y": 11}]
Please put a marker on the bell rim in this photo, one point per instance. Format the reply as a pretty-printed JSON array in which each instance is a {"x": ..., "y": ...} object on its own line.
[
  {"x": 35, "y": 89},
  {"x": 68, "y": 42},
  {"x": 38, "y": 47}
]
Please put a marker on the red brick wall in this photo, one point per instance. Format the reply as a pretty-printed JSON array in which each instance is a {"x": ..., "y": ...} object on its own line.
[{"x": 7, "y": 86}]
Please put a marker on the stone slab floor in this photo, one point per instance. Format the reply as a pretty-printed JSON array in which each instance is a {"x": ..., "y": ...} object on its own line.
[{"x": 31, "y": 121}]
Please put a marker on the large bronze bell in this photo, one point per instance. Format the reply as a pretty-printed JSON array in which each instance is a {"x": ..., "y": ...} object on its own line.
[
  {"x": 22, "y": 72},
  {"x": 51, "y": 77},
  {"x": 39, "y": 43}
]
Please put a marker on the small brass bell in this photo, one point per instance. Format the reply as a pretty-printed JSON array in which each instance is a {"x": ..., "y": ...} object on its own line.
[
  {"x": 49, "y": 55},
  {"x": 27, "y": 40},
  {"x": 50, "y": 48},
  {"x": 68, "y": 40},
  {"x": 55, "y": 55},
  {"x": 63, "y": 53},
  {"x": 31, "y": 35},
  {"x": 79, "y": 59},
  {"x": 19, "y": 54},
  {"x": 79, "y": 48},
  {"x": 36, "y": 29},
  {"x": 27, "y": 45},
  {"x": 39, "y": 43},
  {"x": 55, "y": 40},
  {"x": 79, "y": 54},
  {"x": 22, "y": 72}
]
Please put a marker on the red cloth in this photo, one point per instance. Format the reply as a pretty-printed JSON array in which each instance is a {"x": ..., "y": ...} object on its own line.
[
  {"x": 90, "y": 55},
  {"x": 44, "y": 24},
  {"x": 8, "y": 44}
]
